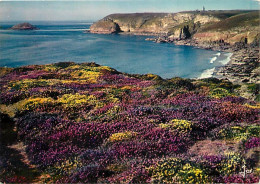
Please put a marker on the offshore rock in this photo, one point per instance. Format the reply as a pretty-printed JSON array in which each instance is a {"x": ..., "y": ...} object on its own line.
[{"x": 24, "y": 26}]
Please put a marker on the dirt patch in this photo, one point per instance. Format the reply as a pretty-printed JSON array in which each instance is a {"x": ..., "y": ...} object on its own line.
[{"x": 217, "y": 147}]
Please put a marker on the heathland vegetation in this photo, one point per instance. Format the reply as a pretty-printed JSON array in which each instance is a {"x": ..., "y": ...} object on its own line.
[{"x": 90, "y": 123}]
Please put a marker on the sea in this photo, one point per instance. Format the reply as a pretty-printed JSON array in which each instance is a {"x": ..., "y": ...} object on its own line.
[{"x": 69, "y": 41}]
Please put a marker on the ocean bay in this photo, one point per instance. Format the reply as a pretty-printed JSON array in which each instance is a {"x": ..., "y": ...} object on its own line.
[{"x": 67, "y": 41}]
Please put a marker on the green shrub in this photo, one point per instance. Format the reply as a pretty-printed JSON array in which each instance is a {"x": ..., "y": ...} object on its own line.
[{"x": 219, "y": 93}]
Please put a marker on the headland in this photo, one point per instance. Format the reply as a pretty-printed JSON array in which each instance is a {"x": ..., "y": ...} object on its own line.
[{"x": 234, "y": 31}]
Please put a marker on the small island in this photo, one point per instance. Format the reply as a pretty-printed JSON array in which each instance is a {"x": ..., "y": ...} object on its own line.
[{"x": 24, "y": 26}]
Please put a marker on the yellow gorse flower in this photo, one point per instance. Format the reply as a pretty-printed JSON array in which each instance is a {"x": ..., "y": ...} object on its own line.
[
  {"x": 73, "y": 100},
  {"x": 23, "y": 105},
  {"x": 257, "y": 106},
  {"x": 121, "y": 136},
  {"x": 178, "y": 124}
]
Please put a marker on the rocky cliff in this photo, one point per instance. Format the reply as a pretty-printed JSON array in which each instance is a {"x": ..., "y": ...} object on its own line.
[
  {"x": 159, "y": 23},
  {"x": 207, "y": 26},
  {"x": 239, "y": 28}
]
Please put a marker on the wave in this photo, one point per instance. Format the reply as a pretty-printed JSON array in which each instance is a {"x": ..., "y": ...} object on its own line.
[
  {"x": 218, "y": 54},
  {"x": 207, "y": 73},
  {"x": 87, "y": 23},
  {"x": 213, "y": 59},
  {"x": 63, "y": 30},
  {"x": 225, "y": 61}
]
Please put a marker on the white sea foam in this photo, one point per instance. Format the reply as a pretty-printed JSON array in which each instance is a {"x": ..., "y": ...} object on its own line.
[
  {"x": 218, "y": 54},
  {"x": 63, "y": 30},
  {"x": 87, "y": 23},
  {"x": 207, "y": 73},
  {"x": 225, "y": 61},
  {"x": 213, "y": 59}
]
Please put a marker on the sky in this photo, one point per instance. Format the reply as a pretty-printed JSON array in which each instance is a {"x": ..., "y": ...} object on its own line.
[{"x": 93, "y": 10}]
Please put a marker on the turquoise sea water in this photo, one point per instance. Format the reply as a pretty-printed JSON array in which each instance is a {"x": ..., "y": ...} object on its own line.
[{"x": 67, "y": 41}]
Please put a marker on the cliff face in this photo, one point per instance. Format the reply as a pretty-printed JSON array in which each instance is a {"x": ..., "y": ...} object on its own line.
[
  {"x": 238, "y": 28},
  {"x": 230, "y": 37},
  {"x": 159, "y": 23},
  {"x": 105, "y": 27},
  {"x": 134, "y": 23},
  {"x": 206, "y": 26}
]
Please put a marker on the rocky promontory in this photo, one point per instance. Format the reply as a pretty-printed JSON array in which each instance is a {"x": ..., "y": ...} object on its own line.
[
  {"x": 224, "y": 27},
  {"x": 105, "y": 27},
  {"x": 182, "y": 25},
  {"x": 24, "y": 26}
]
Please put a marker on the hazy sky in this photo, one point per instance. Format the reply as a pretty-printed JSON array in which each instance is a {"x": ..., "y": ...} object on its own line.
[{"x": 96, "y": 9}]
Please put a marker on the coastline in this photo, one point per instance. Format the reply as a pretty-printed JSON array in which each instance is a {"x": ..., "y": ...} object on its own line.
[
  {"x": 242, "y": 65},
  {"x": 161, "y": 38},
  {"x": 235, "y": 33}
]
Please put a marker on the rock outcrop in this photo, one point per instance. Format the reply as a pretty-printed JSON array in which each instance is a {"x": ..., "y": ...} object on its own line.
[
  {"x": 24, "y": 26},
  {"x": 105, "y": 26}
]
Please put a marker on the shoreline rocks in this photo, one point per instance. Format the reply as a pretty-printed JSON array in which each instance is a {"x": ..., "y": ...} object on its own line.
[
  {"x": 243, "y": 66},
  {"x": 24, "y": 26}
]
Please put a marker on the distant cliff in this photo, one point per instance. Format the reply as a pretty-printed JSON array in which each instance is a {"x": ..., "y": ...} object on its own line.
[
  {"x": 230, "y": 26},
  {"x": 239, "y": 28}
]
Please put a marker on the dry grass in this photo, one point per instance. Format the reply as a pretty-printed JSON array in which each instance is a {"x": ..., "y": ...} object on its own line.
[{"x": 209, "y": 147}]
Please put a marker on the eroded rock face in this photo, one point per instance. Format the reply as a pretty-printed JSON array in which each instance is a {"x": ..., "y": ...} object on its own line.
[
  {"x": 105, "y": 27},
  {"x": 203, "y": 19},
  {"x": 242, "y": 28},
  {"x": 154, "y": 23},
  {"x": 208, "y": 26},
  {"x": 24, "y": 26},
  {"x": 230, "y": 37}
]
